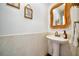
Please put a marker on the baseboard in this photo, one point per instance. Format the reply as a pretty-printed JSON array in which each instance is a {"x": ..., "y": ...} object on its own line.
[{"x": 47, "y": 54}]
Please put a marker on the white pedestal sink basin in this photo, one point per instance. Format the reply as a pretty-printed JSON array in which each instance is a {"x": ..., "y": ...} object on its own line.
[{"x": 56, "y": 41}]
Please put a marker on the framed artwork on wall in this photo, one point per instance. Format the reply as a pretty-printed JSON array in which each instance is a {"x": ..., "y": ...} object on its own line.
[
  {"x": 15, "y": 5},
  {"x": 28, "y": 12}
]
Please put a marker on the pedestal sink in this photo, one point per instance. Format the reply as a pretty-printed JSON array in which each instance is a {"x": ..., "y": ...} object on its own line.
[{"x": 56, "y": 41}]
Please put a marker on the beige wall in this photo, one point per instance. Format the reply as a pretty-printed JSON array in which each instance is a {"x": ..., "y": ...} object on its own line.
[{"x": 24, "y": 45}]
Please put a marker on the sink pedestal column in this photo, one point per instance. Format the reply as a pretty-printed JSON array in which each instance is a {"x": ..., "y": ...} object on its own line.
[
  {"x": 56, "y": 43},
  {"x": 56, "y": 47}
]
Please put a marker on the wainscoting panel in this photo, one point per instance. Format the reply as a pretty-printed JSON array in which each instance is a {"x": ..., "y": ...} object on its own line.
[{"x": 24, "y": 45}]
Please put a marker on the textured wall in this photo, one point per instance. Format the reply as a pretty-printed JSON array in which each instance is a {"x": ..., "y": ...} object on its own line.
[{"x": 24, "y": 45}]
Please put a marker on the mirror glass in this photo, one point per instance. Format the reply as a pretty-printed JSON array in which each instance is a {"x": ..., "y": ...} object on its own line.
[{"x": 58, "y": 16}]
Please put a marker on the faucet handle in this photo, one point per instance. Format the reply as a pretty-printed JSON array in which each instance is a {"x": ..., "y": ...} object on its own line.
[{"x": 56, "y": 33}]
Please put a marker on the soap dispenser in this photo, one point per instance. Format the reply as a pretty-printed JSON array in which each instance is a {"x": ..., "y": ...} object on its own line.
[{"x": 65, "y": 35}]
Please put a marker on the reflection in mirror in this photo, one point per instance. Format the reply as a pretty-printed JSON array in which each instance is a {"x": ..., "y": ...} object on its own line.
[{"x": 58, "y": 18}]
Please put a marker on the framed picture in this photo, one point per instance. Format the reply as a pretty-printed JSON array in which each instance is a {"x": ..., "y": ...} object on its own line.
[
  {"x": 16, "y": 5},
  {"x": 28, "y": 12}
]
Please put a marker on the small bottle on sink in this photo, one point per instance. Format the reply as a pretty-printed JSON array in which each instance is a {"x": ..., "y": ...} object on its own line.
[{"x": 65, "y": 35}]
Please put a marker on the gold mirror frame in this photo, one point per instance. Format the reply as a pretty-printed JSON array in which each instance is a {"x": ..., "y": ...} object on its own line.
[{"x": 66, "y": 16}]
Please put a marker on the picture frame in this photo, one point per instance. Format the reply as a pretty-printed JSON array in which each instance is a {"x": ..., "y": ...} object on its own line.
[
  {"x": 28, "y": 12},
  {"x": 15, "y": 5}
]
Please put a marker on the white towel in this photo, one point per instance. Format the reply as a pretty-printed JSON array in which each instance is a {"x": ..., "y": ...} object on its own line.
[
  {"x": 75, "y": 41},
  {"x": 73, "y": 14}
]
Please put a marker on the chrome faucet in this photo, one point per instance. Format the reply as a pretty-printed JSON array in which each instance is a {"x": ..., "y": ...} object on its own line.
[{"x": 56, "y": 34}]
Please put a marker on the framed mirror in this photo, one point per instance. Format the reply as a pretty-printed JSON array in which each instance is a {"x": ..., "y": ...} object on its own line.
[{"x": 60, "y": 16}]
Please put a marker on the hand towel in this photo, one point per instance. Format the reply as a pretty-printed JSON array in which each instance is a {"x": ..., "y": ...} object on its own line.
[{"x": 75, "y": 41}]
